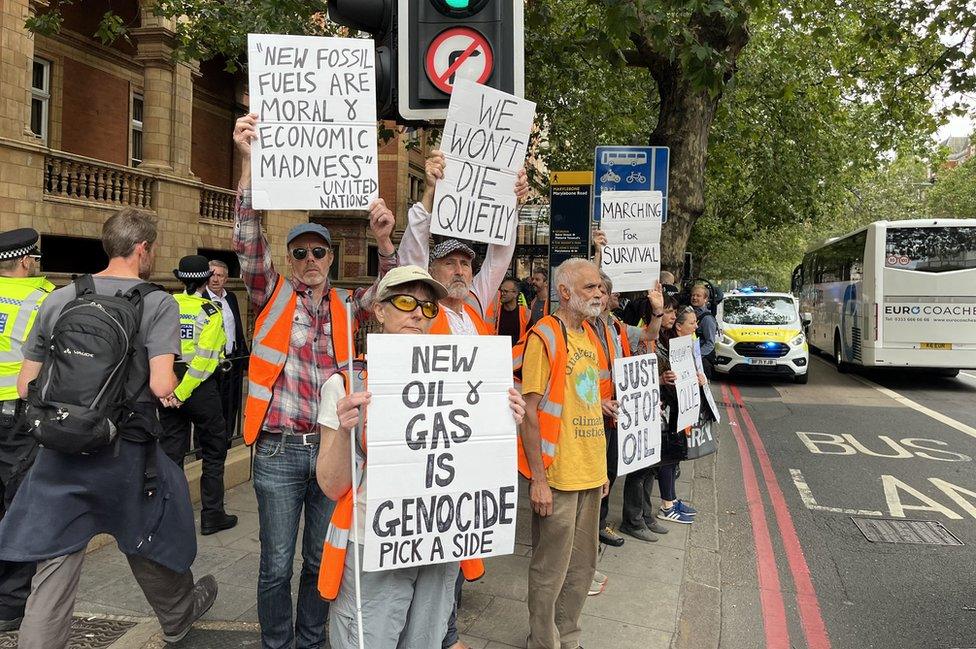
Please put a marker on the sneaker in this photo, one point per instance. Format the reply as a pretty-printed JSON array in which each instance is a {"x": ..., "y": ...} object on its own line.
[
  {"x": 204, "y": 594},
  {"x": 641, "y": 533},
  {"x": 654, "y": 526},
  {"x": 600, "y": 578},
  {"x": 611, "y": 538},
  {"x": 596, "y": 587},
  {"x": 685, "y": 508},
  {"x": 672, "y": 514}
]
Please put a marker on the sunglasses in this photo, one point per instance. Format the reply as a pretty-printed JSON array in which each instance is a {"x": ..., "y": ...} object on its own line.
[
  {"x": 407, "y": 303},
  {"x": 301, "y": 253}
]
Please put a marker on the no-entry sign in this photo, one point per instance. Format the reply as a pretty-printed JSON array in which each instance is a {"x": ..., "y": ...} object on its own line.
[{"x": 458, "y": 53}]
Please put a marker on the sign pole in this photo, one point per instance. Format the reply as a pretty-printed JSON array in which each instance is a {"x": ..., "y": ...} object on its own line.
[{"x": 355, "y": 476}]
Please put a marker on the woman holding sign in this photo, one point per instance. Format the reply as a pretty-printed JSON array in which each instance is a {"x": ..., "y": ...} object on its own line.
[{"x": 404, "y": 608}]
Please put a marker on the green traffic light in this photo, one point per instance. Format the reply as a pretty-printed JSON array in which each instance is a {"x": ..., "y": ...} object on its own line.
[{"x": 457, "y": 4}]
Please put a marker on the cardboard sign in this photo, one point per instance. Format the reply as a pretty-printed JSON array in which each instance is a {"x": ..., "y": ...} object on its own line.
[
  {"x": 682, "y": 357},
  {"x": 707, "y": 389},
  {"x": 485, "y": 138},
  {"x": 639, "y": 417},
  {"x": 441, "y": 483},
  {"x": 316, "y": 103},
  {"x": 632, "y": 223}
]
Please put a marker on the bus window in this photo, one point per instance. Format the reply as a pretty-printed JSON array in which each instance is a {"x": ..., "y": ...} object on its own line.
[{"x": 931, "y": 250}]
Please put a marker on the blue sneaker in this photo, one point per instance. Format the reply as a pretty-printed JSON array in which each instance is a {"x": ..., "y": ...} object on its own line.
[
  {"x": 684, "y": 508},
  {"x": 674, "y": 515}
]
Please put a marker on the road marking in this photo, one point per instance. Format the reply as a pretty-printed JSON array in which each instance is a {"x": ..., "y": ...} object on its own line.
[
  {"x": 810, "y": 502},
  {"x": 770, "y": 594},
  {"x": 811, "y": 620},
  {"x": 972, "y": 376}
]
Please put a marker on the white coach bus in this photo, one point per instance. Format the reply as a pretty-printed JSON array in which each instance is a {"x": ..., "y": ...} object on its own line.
[{"x": 894, "y": 293}]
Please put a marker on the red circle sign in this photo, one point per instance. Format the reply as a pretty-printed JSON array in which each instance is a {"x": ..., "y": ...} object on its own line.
[{"x": 458, "y": 52}]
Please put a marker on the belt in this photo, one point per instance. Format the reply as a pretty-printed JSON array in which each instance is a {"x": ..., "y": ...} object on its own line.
[
  {"x": 304, "y": 439},
  {"x": 11, "y": 407}
]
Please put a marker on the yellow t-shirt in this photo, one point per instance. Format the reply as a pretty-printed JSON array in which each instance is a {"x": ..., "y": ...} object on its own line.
[{"x": 581, "y": 455}]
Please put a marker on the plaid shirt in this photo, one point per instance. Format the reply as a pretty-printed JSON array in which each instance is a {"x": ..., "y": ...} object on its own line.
[{"x": 311, "y": 359}]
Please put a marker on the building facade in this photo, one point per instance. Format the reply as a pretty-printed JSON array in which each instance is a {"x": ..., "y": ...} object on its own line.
[{"x": 88, "y": 128}]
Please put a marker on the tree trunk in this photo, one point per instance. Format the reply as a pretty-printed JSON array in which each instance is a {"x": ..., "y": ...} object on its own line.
[{"x": 684, "y": 121}]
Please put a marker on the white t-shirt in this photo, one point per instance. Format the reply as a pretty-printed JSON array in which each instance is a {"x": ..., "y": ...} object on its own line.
[{"x": 332, "y": 390}]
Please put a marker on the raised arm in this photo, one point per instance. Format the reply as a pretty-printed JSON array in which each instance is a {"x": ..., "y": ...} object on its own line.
[
  {"x": 381, "y": 222},
  {"x": 257, "y": 268}
]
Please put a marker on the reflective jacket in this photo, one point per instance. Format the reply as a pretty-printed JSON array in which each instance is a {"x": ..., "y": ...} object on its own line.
[
  {"x": 20, "y": 298},
  {"x": 337, "y": 538},
  {"x": 202, "y": 340},
  {"x": 269, "y": 349},
  {"x": 473, "y": 308},
  {"x": 492, "y": 317}
]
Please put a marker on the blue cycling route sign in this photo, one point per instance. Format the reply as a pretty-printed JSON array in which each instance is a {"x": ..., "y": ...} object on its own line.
[{"x": 630, "y": 168}]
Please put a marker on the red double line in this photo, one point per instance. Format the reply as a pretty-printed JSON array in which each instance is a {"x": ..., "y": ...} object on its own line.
[{"x": 774, "y": 618}]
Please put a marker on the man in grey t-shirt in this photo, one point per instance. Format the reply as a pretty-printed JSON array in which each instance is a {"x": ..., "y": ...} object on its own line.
[{"x": 67, "y": 499}]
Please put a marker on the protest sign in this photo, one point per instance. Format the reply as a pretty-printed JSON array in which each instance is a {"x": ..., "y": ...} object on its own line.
[
  {"x": 485, "y": 138},
  {"x": 682, "y": 357},
  {"x": 707, "y": 389},
  {"x": 315, "y": 98},
  {"x": 441, "y": 482},
  {"x": 639, "y": 416},
  {"x": 631, "y": 222}
]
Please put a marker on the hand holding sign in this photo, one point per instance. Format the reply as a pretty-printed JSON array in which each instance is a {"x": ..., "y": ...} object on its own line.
[
  {"x": 682, "y": 358},
  {"x": 639, "y": 418},
  {"x": 485, "y": 139}
]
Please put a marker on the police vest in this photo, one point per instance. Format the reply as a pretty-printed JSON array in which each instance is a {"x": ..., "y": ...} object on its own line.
[
  {"x": 269, "y": 350},
  {"x": 472, "y": 307},
  {"x": 20, "y": 298},
  {"x": 337, "y": 537},
  {"x": 552, "y": 332},
  {"x": 202, "y": 340}
]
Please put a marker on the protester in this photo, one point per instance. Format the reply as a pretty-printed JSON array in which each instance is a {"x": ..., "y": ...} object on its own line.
[
  {"x": 230, "y": 378},
  {"x": 672, "y": 509},
  {"x": 21, "y": 294},
  {"x": 568, "y": 472},
  {"x": 407, "y": 608},
  {"x": 301, "y": 338},
  {"x": 202, "y": 344},
  {"x": 506, "y": 317},
  {"x": 539, "y": 306},
  {"x": 462, "y": 310},
  {"x": 638, "y": 517},
  {"x": 131, "y": 489},
  {"x": 707, "y": 330}
]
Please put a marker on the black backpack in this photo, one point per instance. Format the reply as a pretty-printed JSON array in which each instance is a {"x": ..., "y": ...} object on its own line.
[{"x": 78, "y": 402}]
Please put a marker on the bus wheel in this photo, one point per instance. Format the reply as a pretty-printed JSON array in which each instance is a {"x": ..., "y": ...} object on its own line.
[{"x": 842, "y": 366}]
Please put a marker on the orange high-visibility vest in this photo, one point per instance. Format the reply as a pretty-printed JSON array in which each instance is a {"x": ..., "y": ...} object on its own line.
[
  {"x": 605, "y": 357},
  {"x": 337, "y": 537},
  {"x": 493, "y": 317},
  {"x": 269, "y": 349},
  {"x": 473, "y": 307},
  {"x": 552, "y": 332}
]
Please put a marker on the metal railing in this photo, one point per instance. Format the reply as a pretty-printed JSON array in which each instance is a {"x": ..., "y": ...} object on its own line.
[
  {"x": 85, "y": 179},
  {"x": 217, "y": 204}
]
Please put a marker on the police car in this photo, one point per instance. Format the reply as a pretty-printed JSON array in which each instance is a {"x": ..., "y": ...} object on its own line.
[{"x": 761, "y": 333}]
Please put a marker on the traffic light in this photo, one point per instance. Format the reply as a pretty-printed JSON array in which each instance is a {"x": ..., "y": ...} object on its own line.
[
  {"x": 378, "y": 18},
  {"x": 442, "y": 40}
]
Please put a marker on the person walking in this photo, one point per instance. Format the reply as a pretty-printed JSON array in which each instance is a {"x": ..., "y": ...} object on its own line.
[
  {"x": 129, "y": 488},
  {"x": 563, "y": 454},
  {"x": 21, "y": 294},
  {"x": 229, "y": 378},
  {"x": 301, "y": 338},
  {"x": 202, "y": 341}
]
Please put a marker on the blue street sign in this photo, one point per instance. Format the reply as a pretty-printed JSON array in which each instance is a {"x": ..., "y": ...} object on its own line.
[{"x": 630, "y": 168}]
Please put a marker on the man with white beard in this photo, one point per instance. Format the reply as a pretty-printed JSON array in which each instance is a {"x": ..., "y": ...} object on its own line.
[{"x": 563, "y": 454}]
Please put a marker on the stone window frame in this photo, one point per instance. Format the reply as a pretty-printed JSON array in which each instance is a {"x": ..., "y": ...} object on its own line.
[
  {"x": 136, "y": 126},
  {"x": 41, "y": 94}
]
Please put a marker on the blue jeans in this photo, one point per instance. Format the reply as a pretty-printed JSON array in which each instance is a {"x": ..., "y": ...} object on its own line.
[{"x": 284, "y": 481}]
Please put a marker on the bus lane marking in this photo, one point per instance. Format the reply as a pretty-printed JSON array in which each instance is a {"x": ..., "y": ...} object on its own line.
[{"x": 811, "y": 503}]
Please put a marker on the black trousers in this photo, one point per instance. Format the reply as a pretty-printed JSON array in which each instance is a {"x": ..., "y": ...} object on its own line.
[
  {"x": 230, "y": 386},
  {"x": 203, "y": 411},
  {"x": 610, "y": 431},
  {"x": 637, "y": 510},
  {"x": 17, "y": 451}
]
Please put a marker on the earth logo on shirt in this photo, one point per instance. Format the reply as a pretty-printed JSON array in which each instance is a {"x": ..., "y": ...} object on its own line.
[{"x": 588, "y": 386}]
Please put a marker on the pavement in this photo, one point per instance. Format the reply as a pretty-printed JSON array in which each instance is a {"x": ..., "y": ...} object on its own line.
[{"x": 659, "y": 595}]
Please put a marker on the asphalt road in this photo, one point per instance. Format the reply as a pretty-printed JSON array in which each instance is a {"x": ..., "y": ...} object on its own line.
[{"x": 801, "y": 462}]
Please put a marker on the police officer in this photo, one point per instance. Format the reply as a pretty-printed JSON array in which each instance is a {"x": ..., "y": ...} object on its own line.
[
  {"x": 21, "y": 294},
  {"x": 202, "y": 340}
]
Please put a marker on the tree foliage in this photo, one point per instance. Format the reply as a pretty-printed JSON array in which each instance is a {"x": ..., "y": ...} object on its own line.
[{"x": 953, "y": 195}]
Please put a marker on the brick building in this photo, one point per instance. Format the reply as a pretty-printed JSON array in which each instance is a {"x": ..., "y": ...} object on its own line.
[{"x": 87, "y": 128}]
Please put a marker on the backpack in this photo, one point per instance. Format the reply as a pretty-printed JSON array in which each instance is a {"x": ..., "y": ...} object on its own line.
[{"x": 78, "y": 402}]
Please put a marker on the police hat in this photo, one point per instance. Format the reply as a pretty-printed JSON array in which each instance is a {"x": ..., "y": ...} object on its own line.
[
  {"x": 193, "y": 267},
  {"x": 14, "y": 244}
]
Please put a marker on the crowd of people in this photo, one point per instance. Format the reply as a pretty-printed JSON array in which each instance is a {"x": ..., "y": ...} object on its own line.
[{"x": 301, "y": 409}]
